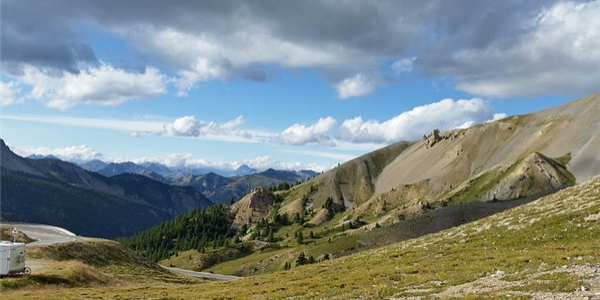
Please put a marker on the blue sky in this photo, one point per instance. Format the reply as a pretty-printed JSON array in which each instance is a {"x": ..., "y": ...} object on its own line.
[{"x": 281, "y": 84}]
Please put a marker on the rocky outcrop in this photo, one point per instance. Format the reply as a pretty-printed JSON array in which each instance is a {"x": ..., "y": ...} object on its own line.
[
  {"x": 435, "y": 136},
  {"x": 536, "y": 174},
  {"x": 253, "y": 207},
  {"x": 432, "y": 138}
]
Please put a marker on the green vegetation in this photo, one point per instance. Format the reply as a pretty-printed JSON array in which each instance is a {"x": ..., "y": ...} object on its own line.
[
  {"x": 532, "y": 242},
  {"x": 198, "y": 229},
  {"x": 553, "y": 282},
  {"x": 91, "y": 263}
]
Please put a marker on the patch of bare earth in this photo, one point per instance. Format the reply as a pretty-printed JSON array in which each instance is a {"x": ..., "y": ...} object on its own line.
[{"x": 495, "y": 284}]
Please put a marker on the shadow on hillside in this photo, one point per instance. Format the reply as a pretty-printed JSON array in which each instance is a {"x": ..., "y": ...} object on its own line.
[{"x": 435, "y": 221}]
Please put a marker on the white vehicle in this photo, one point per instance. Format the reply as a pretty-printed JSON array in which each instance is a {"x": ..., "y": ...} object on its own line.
[{"x": 12, "y": 259}]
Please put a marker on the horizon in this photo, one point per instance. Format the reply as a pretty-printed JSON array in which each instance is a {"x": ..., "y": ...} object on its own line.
[{"x": 301, "y": 87}]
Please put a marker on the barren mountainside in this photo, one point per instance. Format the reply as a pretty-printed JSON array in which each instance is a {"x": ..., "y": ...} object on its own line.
[{"x": 519, "y": 156}]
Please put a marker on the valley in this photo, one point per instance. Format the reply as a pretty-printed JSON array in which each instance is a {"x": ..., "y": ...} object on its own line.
[
  {"x": 544, "y": 249},
  {"x": 502, "y": 208}
]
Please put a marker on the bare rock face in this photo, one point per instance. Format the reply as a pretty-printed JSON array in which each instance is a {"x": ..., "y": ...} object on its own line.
[
  {"x": 435, "y": 136},
  {"x": 535, "y": 174},
  {"x": 253, "y": 207},
  {"x": 432, "y": 138}
]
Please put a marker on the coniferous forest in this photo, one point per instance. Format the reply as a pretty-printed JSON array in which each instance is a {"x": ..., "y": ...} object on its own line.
[{"x": 198, "y": 229}]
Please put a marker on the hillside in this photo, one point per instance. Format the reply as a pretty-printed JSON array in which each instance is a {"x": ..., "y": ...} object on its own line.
[
  {"x": 520, "y": 156},
  {"x": 402, "y": 221},
  {"x": 90, "y": 263},
  {"x": 376, "y": 194},
  {"x": 546, "y": 249},
  {"x": 569, "y": 128},
  {"x": 58, "y": 193}
]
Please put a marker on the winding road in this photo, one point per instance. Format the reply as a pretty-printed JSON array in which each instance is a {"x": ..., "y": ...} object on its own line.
[
  {"x": 47, "y": 235},
  {"x": 43, "y": 234}
]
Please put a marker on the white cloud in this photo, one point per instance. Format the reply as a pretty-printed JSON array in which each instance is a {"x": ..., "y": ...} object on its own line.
[
  {"x": 411, "y": 125},
  {"x": 83, "y": 153},
  {"x": 104, "y": 85},
  {"x": 177, "y": 160},
  {"x": 497, "y": 117},
  {"x": 80, "y": 153},
  {"x": 202, "y": 70},
  {"x": 317, "y": 133},
  {"x": 325, "y": 154},
  {"x": 355, "y": 86},
  {"x": 404, "y": 65},
  {"x": 10, "y": 93},
  {"x": 218, "y": 57},
  {"x": 192, "y": 127},
  {"x": 560, "y": 54},
  {"x": 112, "y": 124},
  {"x": 187, "y": 126}
]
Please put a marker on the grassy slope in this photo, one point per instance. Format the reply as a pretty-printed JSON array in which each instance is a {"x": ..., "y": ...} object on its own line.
[
  {"x": 555, "y": 231},
  {"x": 89, "y": 263}
]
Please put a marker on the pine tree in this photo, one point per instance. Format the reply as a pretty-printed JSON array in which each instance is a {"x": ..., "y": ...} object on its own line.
[
  {"x": 299, "y": 238},
  {"x": 301, "y": 260},
  {"x": 270, "y": 237}
]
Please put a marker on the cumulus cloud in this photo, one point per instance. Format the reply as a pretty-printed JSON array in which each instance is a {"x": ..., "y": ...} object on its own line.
[
  {"x": 299, "y": 134},
  {"x": 411, "y": 125},
  {"x": 80, "y": 153},
  {"x": 562, "y": 39},
  {"x": 178, "y": 160},
  {"x": 355, "y": 86},
  {"x": 189, "y": 126},
  {"x": 104, "y": 85},
  {"x": 488, "y": 47},
  {"x": 10, "y": 93}
]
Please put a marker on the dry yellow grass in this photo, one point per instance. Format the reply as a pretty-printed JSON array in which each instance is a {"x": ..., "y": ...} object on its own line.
[{"x": 526, "y": 244}]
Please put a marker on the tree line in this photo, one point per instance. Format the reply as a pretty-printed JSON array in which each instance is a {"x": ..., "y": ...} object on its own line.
[{"x": 198, "y": 229}]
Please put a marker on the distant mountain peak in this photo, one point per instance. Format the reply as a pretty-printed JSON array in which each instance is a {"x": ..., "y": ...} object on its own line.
[{"x": 244, "y": 170}]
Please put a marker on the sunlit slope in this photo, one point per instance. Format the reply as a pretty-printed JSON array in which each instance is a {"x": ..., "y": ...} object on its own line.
[
  {"x": 571, "y": 128},
  {"x": 545, "y": 249},
  {"x": 519, "y": 156}
]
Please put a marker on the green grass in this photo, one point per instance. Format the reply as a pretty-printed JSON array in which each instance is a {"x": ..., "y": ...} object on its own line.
[
  {"x": 538, "y": 237},
  {"x": 553, "y": 282}
]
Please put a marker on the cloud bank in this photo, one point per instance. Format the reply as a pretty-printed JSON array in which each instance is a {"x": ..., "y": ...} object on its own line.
[
  {"x": 489, "y": 48},
  {"x": 411, "y": 125},
  {"x": 406, "y": 126},
  {"x": 102, "y": 85}
]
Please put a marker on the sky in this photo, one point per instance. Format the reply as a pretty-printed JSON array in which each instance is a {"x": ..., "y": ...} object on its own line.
[{"x": 276, "y": 83}]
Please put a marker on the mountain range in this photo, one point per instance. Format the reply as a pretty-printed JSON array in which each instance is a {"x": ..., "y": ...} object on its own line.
[
  {"x": 390, "y": 224},
  {"x": 118, "y": 200},
  {"x": 55, "y": 192},
  {"x": 213, "y": 184},
  {"x": 412, "y": 188},
  {"x": 156, "y": 170},
  {"x": 520, "y": 156}
]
